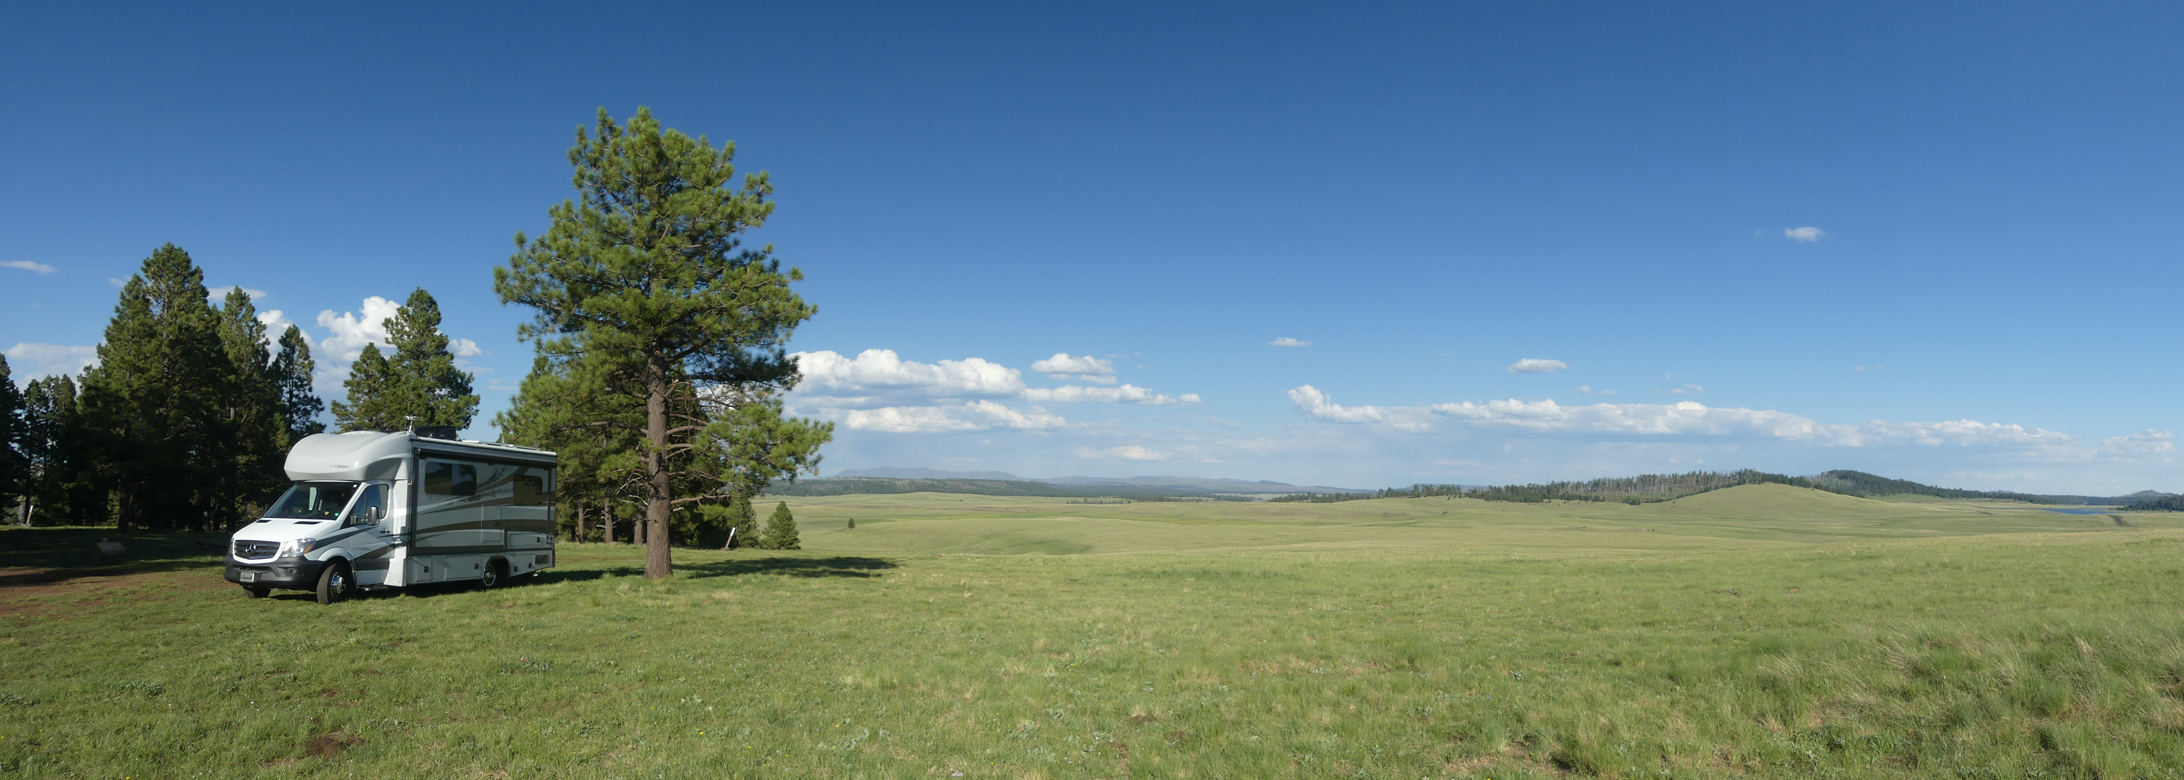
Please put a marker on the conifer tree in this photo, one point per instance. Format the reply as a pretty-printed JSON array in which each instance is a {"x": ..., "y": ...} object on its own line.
[
  {"x": 418, "y": 381},
  {"x": 14, "y": 464},
  {"x": 49, "y": 411},
  {"x": 300, "y": 404},
  {"x": 151, "y": 407},
  {"x": 249, "y": 452},
  {"x": 370, "y": 388},
  {"x": 643, "y": 284},
  {"x": 430, "y": 387},
  {"x": 781, "y": 529}
]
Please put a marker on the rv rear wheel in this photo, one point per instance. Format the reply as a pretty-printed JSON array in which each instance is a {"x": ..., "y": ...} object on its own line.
[
  {"x": 335, "y": 583},
  {"x": 256, "y": 593},
  {"x": 495, "y": 571}
]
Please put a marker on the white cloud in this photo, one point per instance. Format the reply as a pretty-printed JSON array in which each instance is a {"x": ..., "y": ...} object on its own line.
[
  {"x": 1804, "y": 235},
  {"x": 218, "y": 294},
  {"x": 2149, "y": 442},
  {"x": 276, "y": 323},
  {"x": 1125, "y": 452},
  {"x": 1536, "y": 366},
  {"x": 1096, "y": 379},
  {"x": 883, "y": 369},
  {"x": 972, "y": 416},
  {"x": 1687, "y": 418},
  {"x": 1062, "y": 363},
  {"x": 36, "y": 268},
  {"x": 1286, "y": 341},
  {"x": 1318, "y": 405},
  {"x": 1687, "y": 390},
  {"x": 1586, "y": 389},
  {"x": 463, "y": 348},
  {"x": 117, "y": 281},
  {"x": 1127, "y": 393},
  {"x": 28, "y": 361},
  {"x": 352, "y": 331},
  {"x": 906, "y": 419}
]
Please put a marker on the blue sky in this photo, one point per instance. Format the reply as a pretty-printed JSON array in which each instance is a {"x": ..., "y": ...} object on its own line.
[{"x": 1928, "y": 240}]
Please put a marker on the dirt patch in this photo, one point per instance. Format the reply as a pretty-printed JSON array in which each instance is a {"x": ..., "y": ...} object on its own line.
[
  {"x": 1142, "y": 719},
  {"x": 29, "y": 591},
  {"x": 330, "y": 744}
]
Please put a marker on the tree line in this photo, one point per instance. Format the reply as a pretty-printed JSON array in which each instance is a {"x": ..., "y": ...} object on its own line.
[
  {"x": 661, "y": 362},
  {"x": 186, "y": 420}
]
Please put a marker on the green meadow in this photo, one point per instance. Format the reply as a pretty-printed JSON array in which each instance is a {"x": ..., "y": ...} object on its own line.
[{"x": 1758, "y": 631}]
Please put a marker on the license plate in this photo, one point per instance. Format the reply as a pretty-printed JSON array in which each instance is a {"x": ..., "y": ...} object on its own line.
[{"x": 250, "y": 576}]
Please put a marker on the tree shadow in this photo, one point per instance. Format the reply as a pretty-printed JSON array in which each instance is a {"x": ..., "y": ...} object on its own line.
[
  {"x": 57, "y": 555},
  {"x": 837, "y": 566}
]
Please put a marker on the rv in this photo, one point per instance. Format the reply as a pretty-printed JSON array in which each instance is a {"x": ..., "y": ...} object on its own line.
[{"x": 373, "y": 510}]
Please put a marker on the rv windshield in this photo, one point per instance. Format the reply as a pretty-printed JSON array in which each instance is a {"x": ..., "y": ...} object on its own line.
[{"x": 313, "y": 501}]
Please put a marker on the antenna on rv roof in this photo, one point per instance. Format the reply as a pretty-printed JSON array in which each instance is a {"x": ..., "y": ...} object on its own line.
[{"x": 412, "y": 419}]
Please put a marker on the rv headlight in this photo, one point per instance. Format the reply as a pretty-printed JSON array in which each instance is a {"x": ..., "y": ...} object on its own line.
[{"x": 295, "y": 547}]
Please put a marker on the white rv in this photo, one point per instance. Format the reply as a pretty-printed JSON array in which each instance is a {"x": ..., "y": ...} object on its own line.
[{"x": 390, "y": 510}]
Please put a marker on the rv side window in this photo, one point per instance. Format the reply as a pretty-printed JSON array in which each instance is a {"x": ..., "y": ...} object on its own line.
[
  {"x": 450, "y": 479},
  {"x": 530, "y": 490}
]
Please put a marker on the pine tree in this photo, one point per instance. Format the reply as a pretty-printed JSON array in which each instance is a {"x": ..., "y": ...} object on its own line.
[
  {"x": 371, "y": 392},
  {"x": 300, "y": 405},
  {"x": 743, "y": 519},
  {"x": 781, "y": 529},
  {"x": 49, "y": 411},
  {"x": 853, "y": 524},
  {"x": 418, "y": 381},
  {"x": 429, "y": 386},
  {"x": 14, "y": 464},
  {"x": 151, "y": 413},
  {"x": 644, "y": 284},
  {"x": 249, "y": 450}
]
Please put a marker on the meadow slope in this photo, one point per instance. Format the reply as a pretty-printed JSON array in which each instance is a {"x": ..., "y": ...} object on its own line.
[{"x": 1759, "y": 631}]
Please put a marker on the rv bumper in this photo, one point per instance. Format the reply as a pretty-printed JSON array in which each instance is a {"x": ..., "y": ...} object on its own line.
[{"x": 290, "y": 573}]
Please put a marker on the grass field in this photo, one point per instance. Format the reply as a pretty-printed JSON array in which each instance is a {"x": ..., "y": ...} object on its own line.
[{"x": 1757, "y": 631}]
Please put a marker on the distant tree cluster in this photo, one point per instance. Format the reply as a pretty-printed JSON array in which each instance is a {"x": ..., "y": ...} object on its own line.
[
  {"x": 2162, "y": 504},
  {"x": 186, "y": 421},
  {"x": 1642, "y": 489}
]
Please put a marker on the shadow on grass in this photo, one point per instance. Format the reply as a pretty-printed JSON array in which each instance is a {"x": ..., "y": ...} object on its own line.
[
  {"x": 837, "y": 566},
  {"x": 63, "y": 554}
]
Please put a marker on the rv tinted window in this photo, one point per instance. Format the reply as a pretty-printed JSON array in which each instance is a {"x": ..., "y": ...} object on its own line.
[
  {"x": 450, "y": 479},
  {"x": 370, "y": 507},
  {"x": 313, "y": 501},
  {"x": 530, "y": 490}
]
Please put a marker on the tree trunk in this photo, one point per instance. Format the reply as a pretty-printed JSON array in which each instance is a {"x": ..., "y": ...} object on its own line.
[
  {"x": 581, "y": 531},
  {"x": 657, "y": 505}
]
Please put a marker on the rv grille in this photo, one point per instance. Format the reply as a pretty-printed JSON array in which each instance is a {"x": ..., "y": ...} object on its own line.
[{"x": 255, "y": 550}]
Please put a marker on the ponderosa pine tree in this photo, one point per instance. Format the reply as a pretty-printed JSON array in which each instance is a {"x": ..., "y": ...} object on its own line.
[
  {"x": 49, "y": 411},
  {"x": 300, "y": 404},
  {"x": 419, "y": 381},
  {"x": 781, "y": 529},
  {"x": 432, "y": 389},
  {"x": 250, "y": 453},
  {"x": 370, "y": 405},
  {"x": 642, "y": 283},
  {"x": 151, "y": 407},
  {"x": 14, "y": 464}
]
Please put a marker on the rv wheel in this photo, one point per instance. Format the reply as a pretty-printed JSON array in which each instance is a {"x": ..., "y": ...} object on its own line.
[
  {"x": 494, "y": 573},
  {"x": 335, "y": 583},
  {"x": 256, "y": 593}
]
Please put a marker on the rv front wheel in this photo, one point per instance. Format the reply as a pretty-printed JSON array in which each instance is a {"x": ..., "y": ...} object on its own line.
[{"x": 335, "y": 583}]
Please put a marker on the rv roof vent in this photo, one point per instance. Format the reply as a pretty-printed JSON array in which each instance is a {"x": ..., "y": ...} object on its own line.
[{"x": 446, "y": 432}]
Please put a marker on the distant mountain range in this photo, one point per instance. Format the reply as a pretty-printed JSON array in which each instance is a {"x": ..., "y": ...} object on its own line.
[
  {"x": 1160, "y": 488},
  {"x": 897, "y": 479}
]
